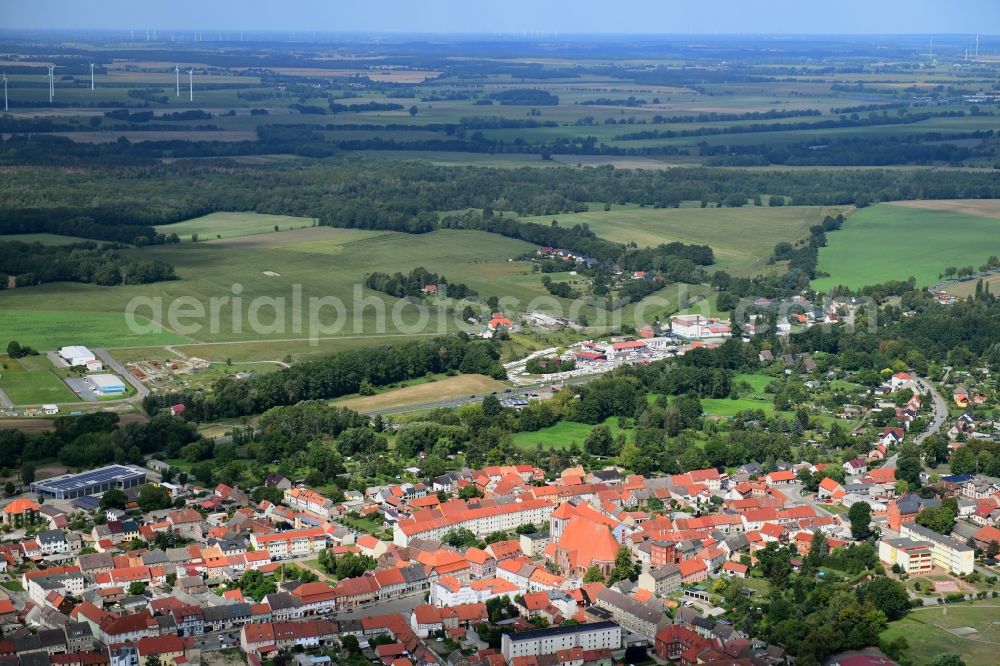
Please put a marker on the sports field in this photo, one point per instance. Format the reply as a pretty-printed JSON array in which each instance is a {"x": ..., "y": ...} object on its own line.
[
  {"x": 893, "y": 242},
  {"x": 228, "y": 225},
  {"x": 742, "y": 238},
  {"x": 931, "y": 631}
]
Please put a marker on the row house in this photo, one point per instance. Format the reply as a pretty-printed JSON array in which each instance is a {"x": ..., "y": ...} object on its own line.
[
  {"x": 981, "y": 487},
  {"x": 629, "y": 613},
  {"x": 316, "y": 598},
  {"x": 309, "y": 501},
  {"x": 449, "y": 591},
  {"x": 661, "y": 580},
  {"x": 481, "y": 521},
  {"x": 66, "y": 581},
  {"x": 269, "y": 637},
  {"x": 283, "y": 606},
  {"x": 291, "y": 543},
  {"x": 427, "y": 619},
  {"x": 127, "y": 628},
  {"x": 227, "y": 616}
]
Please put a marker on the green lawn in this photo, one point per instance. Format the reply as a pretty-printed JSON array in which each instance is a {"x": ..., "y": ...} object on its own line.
[
  {"x": 757, "y": 382},
  {"x": 742, "y": 238},
  {"x": 35, "y": 388},
  {"x": 12, "y": 585},
  {"x": 926, "y": 632},
  {"x": 560, "y": 435},
  {"x": 888, "y": 242},
  {"x": 729, "y": 407},
  {"x": 229, "y": 225}
]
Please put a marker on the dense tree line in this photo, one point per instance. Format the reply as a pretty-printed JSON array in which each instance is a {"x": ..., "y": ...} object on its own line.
[
  {"x": 35, "y": 263},
  {"x": 718, "y": 116},
  {"x": 815, "y": 616},
  {"x": 334, "y": 376},
  {"x": 363, "y": 107},
  {"x": 875, "y": 151},
  {"x": 832, "y": 123},
  {"x": 413, "y": 283},
  {"x": 498, "y": 122},
  {"x": 404, "y": 196},
  {"x": 560, "y": 289},
  {"x": 525, "y": 97},
  {"x": 97, "y": 439},
  {"x": 541, "y": 366}
]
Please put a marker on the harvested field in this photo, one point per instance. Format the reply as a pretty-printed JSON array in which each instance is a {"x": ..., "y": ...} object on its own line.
[
  {"x": 980, "y": 207},
  {"x": 445, "y": 389}
]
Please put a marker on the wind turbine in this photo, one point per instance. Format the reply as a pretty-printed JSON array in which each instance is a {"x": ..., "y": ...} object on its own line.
[
  {"x": 177, "y": 74},
  {"x": 52, "y": 82},
  {"x": 5, "y": 91},
  {"x": 191, "y": 84},
  {"x": 91, "y": 76}
]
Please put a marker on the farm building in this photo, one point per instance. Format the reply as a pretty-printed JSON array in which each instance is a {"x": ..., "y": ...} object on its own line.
[
  {"x": 106, "y": 384},
  {"x": 94, "y": 482},
  {"x": 77, "y": 355}
]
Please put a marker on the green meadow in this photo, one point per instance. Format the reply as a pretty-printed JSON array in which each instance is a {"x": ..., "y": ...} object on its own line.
[
  {"x": 271, "y": 277},
  {"x": 229, "y": 225},
  {"x": 889, "y": 242},
  {"x": 742, "y": 238},
  {"x": 51, "y": 329},
  {"x": 563, "y": 433},
  {"x": 29, "y": 383}
]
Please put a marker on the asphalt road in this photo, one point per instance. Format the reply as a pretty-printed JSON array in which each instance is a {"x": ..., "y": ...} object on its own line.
[
  {"x": 403, "y": 605},
  {"x": 110, "y": 361},
  {"x": 5, "y": 402},
  {"x": 938, "y": 417},
  {"x": 940, "y": 408}
]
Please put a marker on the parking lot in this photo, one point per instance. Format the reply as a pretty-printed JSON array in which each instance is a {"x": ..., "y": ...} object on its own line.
[{"x": 79, "y": 386}]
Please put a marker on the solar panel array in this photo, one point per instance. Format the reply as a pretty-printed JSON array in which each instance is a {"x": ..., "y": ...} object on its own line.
[{"x": 94, "y": 477}]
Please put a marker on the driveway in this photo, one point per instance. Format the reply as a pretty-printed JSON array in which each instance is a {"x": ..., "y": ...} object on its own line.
[{"x": 56, "y": 360}]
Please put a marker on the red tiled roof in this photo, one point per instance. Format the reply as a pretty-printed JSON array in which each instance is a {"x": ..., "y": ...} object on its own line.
[{"x": 151, "y": 645}]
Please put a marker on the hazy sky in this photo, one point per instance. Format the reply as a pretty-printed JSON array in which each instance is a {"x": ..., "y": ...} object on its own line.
[{"x": 491, "y": 16}]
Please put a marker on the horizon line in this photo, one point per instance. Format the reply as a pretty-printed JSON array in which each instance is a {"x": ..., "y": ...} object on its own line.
[{"x": 524, "y": 33}]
